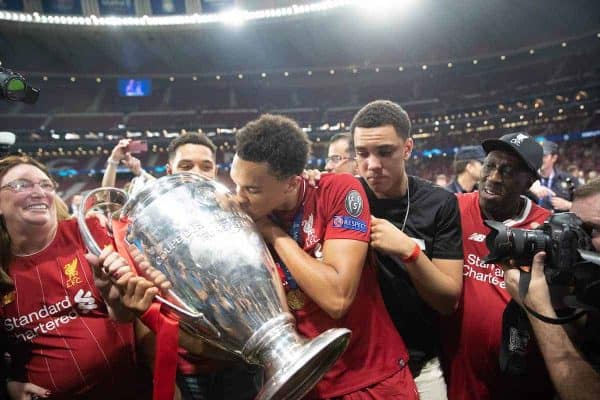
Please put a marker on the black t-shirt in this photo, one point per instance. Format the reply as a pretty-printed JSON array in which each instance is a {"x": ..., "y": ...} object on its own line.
[{"x": 433, "y": 218}]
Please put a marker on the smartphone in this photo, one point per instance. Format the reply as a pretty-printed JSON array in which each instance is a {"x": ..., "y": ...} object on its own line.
[{"x": 137, "y": 146}]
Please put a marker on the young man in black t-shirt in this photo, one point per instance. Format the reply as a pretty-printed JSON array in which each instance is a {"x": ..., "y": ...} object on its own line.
[{"x": 416, "y": 232}]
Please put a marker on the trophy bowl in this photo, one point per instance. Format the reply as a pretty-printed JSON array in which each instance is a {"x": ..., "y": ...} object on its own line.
[{"x": 225, "y": 285}]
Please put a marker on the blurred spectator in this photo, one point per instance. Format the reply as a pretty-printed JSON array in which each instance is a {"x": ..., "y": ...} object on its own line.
[
  {"x": 441, "y": 180},
  {"x": 339, "y": 155},
  {"x": 467, "y": 169},
  {"x": 576, "y": 172},
  {"x": 75, "y": 204},
  {"x": 555, "y": 187}
]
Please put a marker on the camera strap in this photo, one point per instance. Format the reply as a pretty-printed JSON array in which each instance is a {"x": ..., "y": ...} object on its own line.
[
  {"x": 516, "y": 334},
  {"x": 524, "y": 287}
]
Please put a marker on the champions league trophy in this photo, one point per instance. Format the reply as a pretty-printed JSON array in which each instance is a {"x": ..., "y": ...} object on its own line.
[{"x": 225, "y": 286}]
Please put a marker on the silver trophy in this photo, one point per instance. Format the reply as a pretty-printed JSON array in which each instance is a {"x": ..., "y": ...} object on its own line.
[{"x": 225, "y": 286}]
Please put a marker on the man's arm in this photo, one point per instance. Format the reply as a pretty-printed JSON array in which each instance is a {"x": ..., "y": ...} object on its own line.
[
  {"x": 109, "y": 178},
  {"x": 572, "y": 376},
  {"x": 331, "y": 283},
  {"x": 438, "y": 281},
  {"x": 540, "y": 191}
]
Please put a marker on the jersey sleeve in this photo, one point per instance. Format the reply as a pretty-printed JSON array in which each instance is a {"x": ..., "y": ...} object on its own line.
[
  {"x": 447, "y": 242},
  {"x": 346, "y": 209}
]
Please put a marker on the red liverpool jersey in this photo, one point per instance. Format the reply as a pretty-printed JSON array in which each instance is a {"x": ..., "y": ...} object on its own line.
[
  {"x": 473, "y": 334},
  {"x": 62, "y": 337},
  {"x": 338, "y": 209}
]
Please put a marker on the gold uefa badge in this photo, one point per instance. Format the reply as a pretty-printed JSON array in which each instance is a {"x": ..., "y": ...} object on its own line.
[
  {"x": 296, "y": 299},
  {"x": 9, "y": 297}
]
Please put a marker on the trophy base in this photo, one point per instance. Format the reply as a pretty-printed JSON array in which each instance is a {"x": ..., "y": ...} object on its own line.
[{"x": 298, "y": 376}]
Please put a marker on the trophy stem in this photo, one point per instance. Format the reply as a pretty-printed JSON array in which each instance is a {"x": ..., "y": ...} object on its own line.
[{"x": 293, "y": 365}]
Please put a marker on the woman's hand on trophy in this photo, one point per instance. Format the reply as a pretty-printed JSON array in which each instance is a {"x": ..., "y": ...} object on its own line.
[
  {"x": 137, "y": 293},
  {"x": 110, "y": 270},
  {"x": 107, "y": 268},
  {"x": 147, "y": 270}
]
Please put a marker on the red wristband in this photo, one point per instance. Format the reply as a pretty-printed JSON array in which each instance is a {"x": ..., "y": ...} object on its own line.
[{"x": 413, "y": 256}]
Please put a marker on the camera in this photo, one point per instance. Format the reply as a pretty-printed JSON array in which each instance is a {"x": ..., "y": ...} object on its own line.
[
  {"x": 561, "y": 236},
  {"x": 570, "y": 259},
  {"x": 13, "y": 87}
]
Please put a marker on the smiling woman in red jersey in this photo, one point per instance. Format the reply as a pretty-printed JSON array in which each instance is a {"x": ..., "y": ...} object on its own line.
[{"x": 55, "y": 307}]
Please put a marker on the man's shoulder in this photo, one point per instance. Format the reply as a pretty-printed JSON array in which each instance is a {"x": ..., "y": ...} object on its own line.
[
  {"x": 537, "y": 214},
  {"x": 424, "y": 186},
  {"x": 536, "y": 209},
  {"x": 341, "y": 179},
  {"x": 428, "y": 192},
  {"x": 453, "y": 187},
  {"x": 331, "y": 184}
]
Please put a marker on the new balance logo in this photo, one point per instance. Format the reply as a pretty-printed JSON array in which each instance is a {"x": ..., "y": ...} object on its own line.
[
  {"x": 85, "y": 301},
  {"x": 477, "y": 237}
]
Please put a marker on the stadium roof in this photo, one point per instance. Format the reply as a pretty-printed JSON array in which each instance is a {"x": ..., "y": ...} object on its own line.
[{"x": 429, "y": 31}]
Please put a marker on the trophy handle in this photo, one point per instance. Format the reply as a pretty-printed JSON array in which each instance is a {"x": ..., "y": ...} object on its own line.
[
  {"x": 106, "y": 201},
  {"x": 194, "y": 321}
]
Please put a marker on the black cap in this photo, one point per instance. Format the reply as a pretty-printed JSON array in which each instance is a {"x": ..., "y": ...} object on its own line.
[
  {"x": 520, "y": 144},
  {"x": 470, "y": 153},
  {"x": 549, "y": 147}
]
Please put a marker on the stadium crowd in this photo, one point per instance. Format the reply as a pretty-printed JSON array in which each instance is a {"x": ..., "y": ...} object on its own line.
[{"x": 383, "y": 251}]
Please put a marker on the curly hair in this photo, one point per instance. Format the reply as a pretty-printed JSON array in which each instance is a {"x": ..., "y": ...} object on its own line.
[
  {"x": 277, "y": 140},
  {"x": 381, "y": 113},
  {"x": 190, "y": 138}
]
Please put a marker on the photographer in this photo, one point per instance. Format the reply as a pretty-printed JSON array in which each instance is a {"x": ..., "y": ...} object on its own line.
[
  {"x": 555, "y": 187},
  {"x": 572, "y": 375}
]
